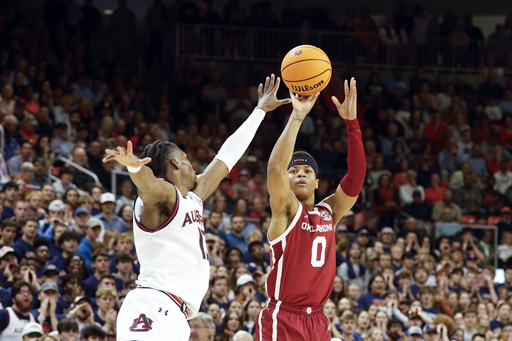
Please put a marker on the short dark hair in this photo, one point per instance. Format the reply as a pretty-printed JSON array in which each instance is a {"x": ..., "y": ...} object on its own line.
[
  {"x": 16, "y": 288},
  {"x": 106, "y": 276},
  {"x": 67, "y": 235},
  {"x": 93, "y": 330},
  {"x": 66, "y": 325},
  {"x": 9, "y": 185},
  {"x": 67, "y": 170},
  {"x": 8, "y": 223},
  {"x": 123, "y": 257},
  {"x": 100, "y": 254},
  {"x": 34, "y": 219}
]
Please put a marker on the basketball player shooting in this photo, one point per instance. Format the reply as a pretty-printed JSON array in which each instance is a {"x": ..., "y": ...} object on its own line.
[
  {"x": 301, "y": 234},
  {"x": 169, "y": 231}
]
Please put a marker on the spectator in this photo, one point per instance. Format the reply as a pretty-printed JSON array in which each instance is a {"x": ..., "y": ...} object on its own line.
[
  {"x": 15, "y": 318},
  {"x": 67, "y": 329},
  {"x": 93, "y": 228},
  {"x": 25, "y": 245},
  {"x": 26, "y": 155},
  {"x": 101, "y": 264},
  {"x": 93, "y": 333},
  {"x": 201, "y": 327},
  {"x": 107, "y": 216},
  {"x": 376, "y": 294},
  {"x": 406, "y": 191},
  {"x": 31, "y": 331}
]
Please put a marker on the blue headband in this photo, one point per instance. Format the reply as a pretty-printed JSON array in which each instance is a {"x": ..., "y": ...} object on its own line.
[{"x": 303, "y": 159}]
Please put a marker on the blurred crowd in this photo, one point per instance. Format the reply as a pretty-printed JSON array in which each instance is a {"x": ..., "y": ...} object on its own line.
[{"x": 416, "y": 255}]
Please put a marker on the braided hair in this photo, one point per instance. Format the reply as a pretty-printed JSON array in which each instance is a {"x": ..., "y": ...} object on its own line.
[{"x": 160, "y": 153}]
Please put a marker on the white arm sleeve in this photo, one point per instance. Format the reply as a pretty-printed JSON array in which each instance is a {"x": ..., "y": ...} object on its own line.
[{"x": 236, "y": 145}]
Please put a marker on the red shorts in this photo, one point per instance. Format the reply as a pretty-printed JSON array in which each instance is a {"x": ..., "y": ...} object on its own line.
[{"x": 279, "y": 321}]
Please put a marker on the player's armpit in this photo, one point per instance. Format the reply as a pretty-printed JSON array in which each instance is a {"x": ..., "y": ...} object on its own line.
[
  {"x": 340, "y": 203},
  {"x": 155, "y": 191}
]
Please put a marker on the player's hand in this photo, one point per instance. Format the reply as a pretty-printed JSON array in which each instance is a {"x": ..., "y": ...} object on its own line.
[
  {"x": 125, "y": 156},
  {"x": 348, "y": 110},
  {"x": 267, "y": 95},
  {"x": 302, "y": 105}
]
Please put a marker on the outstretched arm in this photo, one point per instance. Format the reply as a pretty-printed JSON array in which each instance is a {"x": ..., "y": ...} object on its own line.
[
  {"x": 236, "y": 145},
  {"x": 350, "y": 186},
  {"x": 150, "y": 189},
  {"x": 282, "y": 200}
]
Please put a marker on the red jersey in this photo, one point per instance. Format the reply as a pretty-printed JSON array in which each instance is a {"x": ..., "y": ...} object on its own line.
[{"x": 303, "y": 259}]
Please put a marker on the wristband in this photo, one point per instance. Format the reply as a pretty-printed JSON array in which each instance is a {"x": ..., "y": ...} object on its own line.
[{"x": 133, "y": 169}]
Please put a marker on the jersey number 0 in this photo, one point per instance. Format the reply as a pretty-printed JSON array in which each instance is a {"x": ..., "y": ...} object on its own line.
[{"x": 315, "y": 261}]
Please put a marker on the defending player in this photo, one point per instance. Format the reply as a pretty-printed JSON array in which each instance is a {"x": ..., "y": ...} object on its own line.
[
  {"x": 301, "y": 233},
  {"x": 169, "y": 231}
]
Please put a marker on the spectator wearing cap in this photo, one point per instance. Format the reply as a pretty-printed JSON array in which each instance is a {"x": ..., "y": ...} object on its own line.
[
  {"x": 10, "y": 191},
  {"x": 81, "y": 216},
  {"x": 8, "y": 266},
  {"x": 430, "y": 332},
  {"x": 107, "y": 215},
  {"x": 56, "y": 211},
  {"x": 82, "y": 180},
  {"x": 387, "y": 237},
  {"x": 24, "y": 246},
  {"x": 415, "y": 333},
  {"x": 81, "y": 312},
  {"x": 50, "y": 273},
  {"x": 353, "y": 271},
  {"x": 46, "y": 315},
  {"x": 26, "y": 155},
  {"x": 506, "y": 221},
  {"x": 418, "y": 208},
  {"x": 245, "y": 289},
  {"x": 61, "y": 144},
  {"x": 375, "y": 295},
  {"x": 93, "y": 228},
  {"x": 363, "y": 237},
  {"x": 14, "y": 318},
  {"x": 65, "y": 182},
  {"x": 68, "y": 242},
  {"x": 32, "y": 331}
]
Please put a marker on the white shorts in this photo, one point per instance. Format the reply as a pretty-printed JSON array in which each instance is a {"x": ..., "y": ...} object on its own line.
[{"x": 149, "y": 314}]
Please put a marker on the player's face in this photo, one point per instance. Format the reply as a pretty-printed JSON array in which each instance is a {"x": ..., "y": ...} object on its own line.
[{"x": 303, "y": 180}]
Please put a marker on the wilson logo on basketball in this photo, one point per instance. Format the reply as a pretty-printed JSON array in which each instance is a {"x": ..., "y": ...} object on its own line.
[
  {"x": 298, "y": 53},
  {"x": 306, "y": 87}
]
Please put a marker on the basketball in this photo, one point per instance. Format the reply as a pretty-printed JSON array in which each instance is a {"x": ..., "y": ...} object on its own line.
[{"x": 306, "y": 70}]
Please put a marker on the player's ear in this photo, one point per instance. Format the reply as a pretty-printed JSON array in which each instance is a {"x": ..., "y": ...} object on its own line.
[
  {"x": 175, "y": 163},
  {"x": 317, "y": 181}
]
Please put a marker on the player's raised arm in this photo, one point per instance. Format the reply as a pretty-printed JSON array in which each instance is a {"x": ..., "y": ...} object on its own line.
[
  {"x": 149, "y": 188},
  {"x": 282, "y": 199},
  {"x": 236, "y": 145},
  {"x": 350, "y": 186}
]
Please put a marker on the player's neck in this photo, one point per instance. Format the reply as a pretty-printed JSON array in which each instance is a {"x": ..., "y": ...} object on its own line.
[{"x": 309, "y": 203}]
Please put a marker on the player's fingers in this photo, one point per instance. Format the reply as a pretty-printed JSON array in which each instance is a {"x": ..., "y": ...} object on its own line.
[
  {"x": 110, "y": 151},
  {"x": 347, "y": 91},
  {"x": 285, "y": 101},
  {"x": 145, "y": 161},
  {"x": 260, "y": 90},
  {"x": 336, "y": 101},
  {"x": 267, "y": 81},
  {"x": 129, "y": 147},
  {"x": 121, "y": 150},
  {"x": 276, "y": 85},
  {"x": 108, "y": 158},
  {"x": 272, "y": 82}
]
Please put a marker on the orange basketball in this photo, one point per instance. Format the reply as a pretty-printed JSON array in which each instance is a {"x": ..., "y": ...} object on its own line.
[{"x": 306, "y": 70}]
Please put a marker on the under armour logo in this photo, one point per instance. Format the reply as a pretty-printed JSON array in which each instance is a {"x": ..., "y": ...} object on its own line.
[
  {"x": 144, "y": 322},
  {"x": 165, "y": 312}
]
